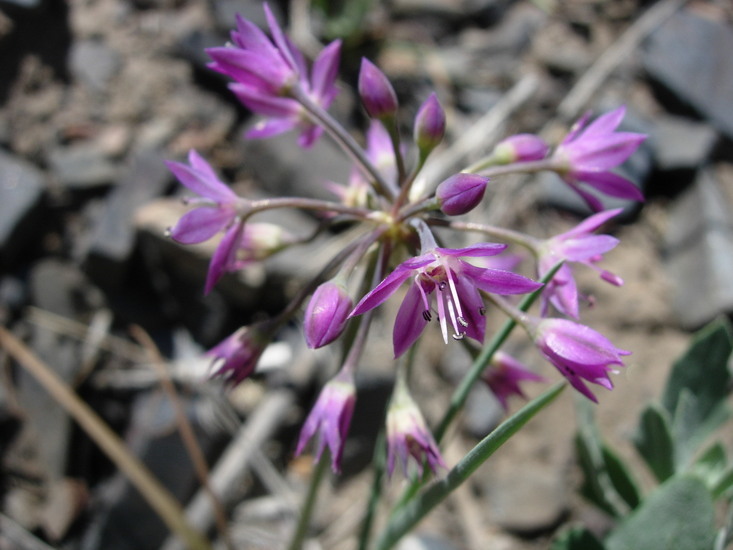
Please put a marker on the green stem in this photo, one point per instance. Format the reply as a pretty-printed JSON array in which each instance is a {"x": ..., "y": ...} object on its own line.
[
  {"x": 306, "y": 512},
  {"x": 407, "y": 517},
  {"x": 379, "y": 463},
  {"x": 481, "y": 362},
  {"x": 477, "y": 368}
]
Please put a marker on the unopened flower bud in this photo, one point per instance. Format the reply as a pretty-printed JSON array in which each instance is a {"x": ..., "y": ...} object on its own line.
[
  {"x": 461, "y": 193},
  {"x": 376, "y": 92},
  {"x": 521, "y": 148},
  {"x": 429, "y": 125},
  {"x": 326, "y": 314}
]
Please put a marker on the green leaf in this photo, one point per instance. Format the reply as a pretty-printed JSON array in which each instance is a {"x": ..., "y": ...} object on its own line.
[
  {"x": 577, "y": 538},
  {"x": 710, "y": 466},
  {"x": 679, "y": 515},
  {"x": 607, "y": 482},
  {"x": 621, "y": 477},
  {"x": 702, "y": 370},
  {"x": 654, "y": 442},
  {"x": 689, "y": 429}
]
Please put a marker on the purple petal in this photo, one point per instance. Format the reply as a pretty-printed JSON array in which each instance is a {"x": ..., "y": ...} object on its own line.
[
  {"x": 473, "y": 307},
  {"x": 498, "y": 281},
  {"x": 309, "y": 135},
  {"x": 591, "y": 223},
  {"x": 477, "y": 250},
  {"x": 279, "y": 37},
  {"x": 409, "y": 322},
  {"x": 603, "y": 152},
  {"x": 591, "y": 200},
  {"x": 265, "y": 103},
  {"x": 382, "y": 291},
  {"x": 248, "y": 67},
  {"x": 606, "y": 123},
  {"x": 325, "y": 69},
  {"x": 200, "y": 224},
  {"x": 250, "y": 37},
  {"x": 200, "y": 183},
  {"x": 577, "y": 128},
  {"x": 564, "y": 294},
  {"x": 581, "y": 344},
  {"x": 224, "y": 256},
  {"x": 583, "y": 248},
  {"x": 611, "y": 184},
  {"x": 268, "y": 128}
]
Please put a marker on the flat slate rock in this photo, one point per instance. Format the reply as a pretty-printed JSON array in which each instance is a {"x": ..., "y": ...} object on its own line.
[{"x": 700, "y": 73}]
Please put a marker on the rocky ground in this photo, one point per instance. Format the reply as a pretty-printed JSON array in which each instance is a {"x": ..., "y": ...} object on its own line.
[{"x": 95, "y": 94}]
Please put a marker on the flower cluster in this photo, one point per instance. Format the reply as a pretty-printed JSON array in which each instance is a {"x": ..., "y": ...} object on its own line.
[{"x": 398, "y": 245}]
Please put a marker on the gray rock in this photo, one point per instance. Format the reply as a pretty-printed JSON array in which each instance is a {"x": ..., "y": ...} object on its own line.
[
  {"x": 699, "y": 252},
  {"x": 530, "y": 500},
  {"x": 681, "y": 143},
  {"x": 21, "y": 193},
  {"x": 285, "y": 169},
  {"x": 113, "y": 233},
  {"x": 225, "y": 12},
  {"x": 94, "y": 63},
  {"x": 690, "y": 56},
  {"x": 81, "y": 166}
]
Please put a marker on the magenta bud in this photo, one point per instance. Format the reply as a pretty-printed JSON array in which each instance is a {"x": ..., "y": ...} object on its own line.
[
  {"x": 429, "y": 124},
  {"x": 326, "y": 314},
  {"x": 521, "y": 148},
  {"x": 376, "y": 92},
  {"x": 461, "y": 193}
]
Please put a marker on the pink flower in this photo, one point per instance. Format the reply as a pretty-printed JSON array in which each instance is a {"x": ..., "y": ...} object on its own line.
[
  {"x": 218, "y": 212},
  {"x": 578, "y": 352},
  {"x": 330, "y": 418},
  {"x": 237, "y": 355},
  {"x": 266, "y": 71},
  {"x": 441, "y": 275},
  {"x": 578, "y": 245},
  {"x": 504, "y": 375},
  {"x": 590, "y": 151},
  {"x": 326, "y": 314},
  {"x": 409, "y": 437}
]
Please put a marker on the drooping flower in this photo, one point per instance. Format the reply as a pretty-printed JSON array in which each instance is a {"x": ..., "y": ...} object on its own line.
[
  {"x": 441, "y": 276},
  {"x": 590, "y": 151},
  {"x": 578, "y": 352},
  {"x": 460, "y": 193},
  {"x": 504, "y": 375},
  {"x": 376, "y": 91},
  {"x": 330, "y": 417},
  {"x": 520, "y": 148},
  {"x": 408, "y": 435},
  {"x": 326, "y": 314},
  {"x": 578, "y": 245},
  {"x": 267, "y": 71},
  {"x": 237, "y": 355},
  {"x": 218, "y": 212}
]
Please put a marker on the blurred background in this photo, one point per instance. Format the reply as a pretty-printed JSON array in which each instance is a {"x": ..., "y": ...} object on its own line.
[{"x": 96, "y": 94}]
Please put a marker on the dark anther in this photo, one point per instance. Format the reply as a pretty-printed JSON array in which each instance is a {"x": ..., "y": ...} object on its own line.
[
  {"x": 459, "y": 336},
  {"x": 482, "y": 311},
  {"x": 441, "y": 286},
  {"x": 427, "y": 315},
  {"x": 462, "y": 322}
]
